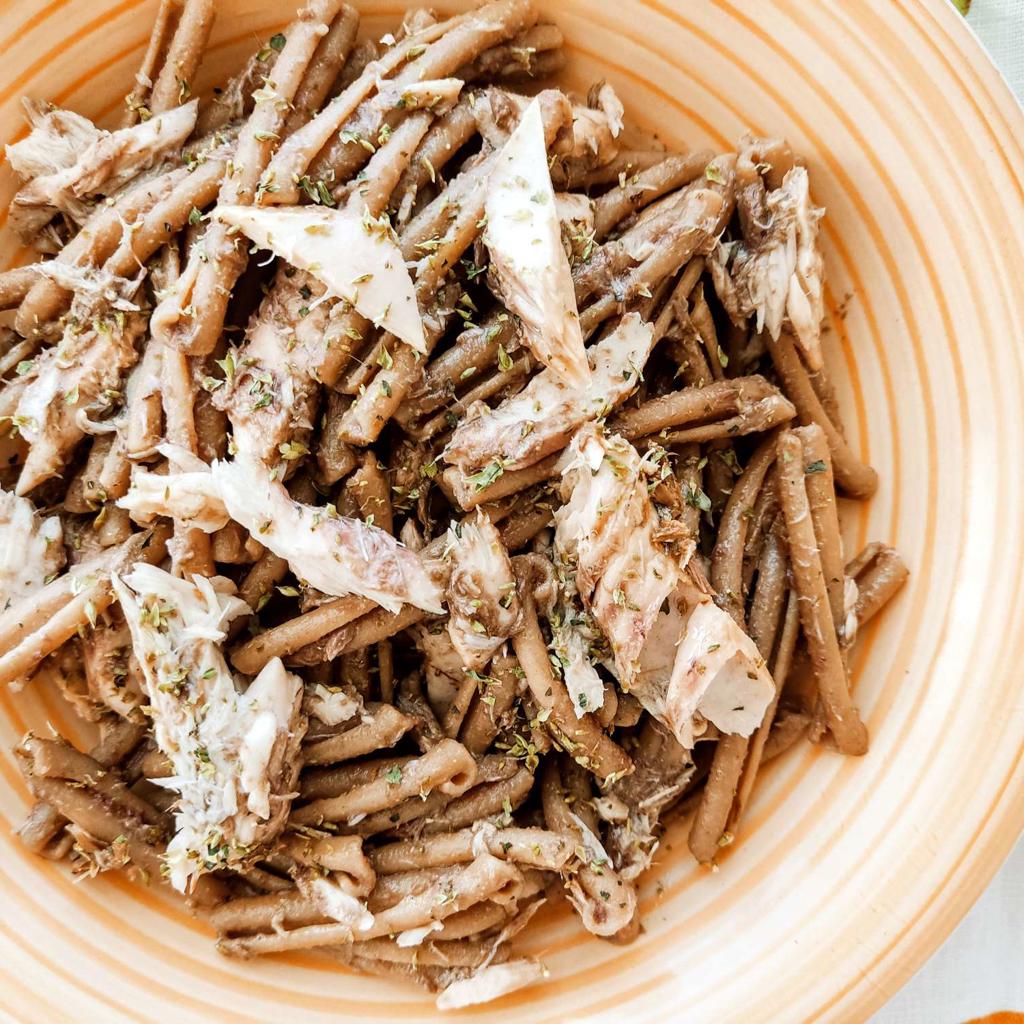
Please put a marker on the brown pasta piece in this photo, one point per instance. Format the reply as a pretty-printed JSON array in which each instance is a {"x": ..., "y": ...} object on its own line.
[
  {"x": 823, "y": 646},
  {"x": 758, "y": 750},
  {"x": 173, "y": 84},
  {"x": 708, "y": 831},
  {"x": 533, "y": 847},
  {"x": 191, "y": 318},
  {"x": 54, "y": 618},
  {"x": 604, "y": 900},
  {"x": 725, "y": 408},
  {"x": 879, "y": 573},
  {"x": 382, "y": 726},
  {"x": 635, "y": 192},
  {"x": 855, "y": 478},
  {"x": 483, "y": 879},
  {"x": 449, "y": 768}
]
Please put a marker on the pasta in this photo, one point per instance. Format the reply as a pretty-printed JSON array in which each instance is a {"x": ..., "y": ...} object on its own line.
[{"x": 426, "y": 488}]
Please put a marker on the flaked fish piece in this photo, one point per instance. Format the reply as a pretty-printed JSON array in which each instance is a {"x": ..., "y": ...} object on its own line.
[
  {"x": 232, "y": 754},
  {"x": 68, "y": 384},
  {"x": 86, "y": 161},
  {"x": 699, "y": 666},
  {"x": 270, "y": 391},
  {"x": 31, "y": 549},
  {"x": 608, "y": 531},
  {"x": 530, "y": 269},
  {"x": 357, "y": 258},
  {"x": 332, "y": 553},
  {"x": 573, "y": 639},
  {"x": 481, "y": 593},
  {"x": 544, "y": 415},
  {"x": 775, "y": 271}
]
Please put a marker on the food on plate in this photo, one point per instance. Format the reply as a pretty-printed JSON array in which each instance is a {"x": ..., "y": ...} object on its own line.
[{"x": 422, "y": 485}]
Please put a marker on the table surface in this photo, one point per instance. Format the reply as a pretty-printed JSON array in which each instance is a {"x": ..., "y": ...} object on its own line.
[{"x": 980, "y": 969}]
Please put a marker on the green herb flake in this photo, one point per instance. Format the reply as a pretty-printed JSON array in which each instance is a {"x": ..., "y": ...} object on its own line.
[
  {"x": 696, "y": 498},
  {"x": 487, "y": 475}
]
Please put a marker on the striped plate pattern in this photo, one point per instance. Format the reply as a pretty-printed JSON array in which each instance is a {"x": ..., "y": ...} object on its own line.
[{"x": 849, "y": 873}]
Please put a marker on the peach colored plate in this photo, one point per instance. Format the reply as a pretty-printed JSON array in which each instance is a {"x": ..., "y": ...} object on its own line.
[{"x": 850, "y": 872}]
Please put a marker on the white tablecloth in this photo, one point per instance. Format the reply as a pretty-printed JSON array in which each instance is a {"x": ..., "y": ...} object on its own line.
[{"x": 980, "y": 969}]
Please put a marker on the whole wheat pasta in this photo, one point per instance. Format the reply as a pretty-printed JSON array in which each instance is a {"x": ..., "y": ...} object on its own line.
[
  {"x": 517, "y": 57},
  {"x": 605, "y": 902},
  {"x": 489, "y": 800},
  {"x": 489, "y": 387},
  {"x": 296, "y": 633},
  {"x": 730, "y": 402},
  {"x": 15, "y": 284},
  {"x": 368, "y": 630},
  {"x": 821, "y": 494},
  {"x": 290, "y": 164},
  {"x": 318, "y": 783},
  {"x": 522, "y": 527},
  {"x": 533, "y": 847},
  {"x": 469, "y": 495},
  {"x": 343, "y": 856},
  {"x": 165, "y": 218},
  {"x": 44, "y": 822},
  {"x": 55, "y": 759},
  {"x": 708, "y": 831},
  {"x": 329, "y": 58},
  {"x": 173, "y": 84},
  {"x": 381, "y": 726},
  {"x": 879, "y": 577},
  {"x": 448, "y": 134},
  {"x": 192, "y": 550},
  {"x": 481, "y": 724},
  {"x": 727, "y": 558},
  {"x": 449, "y": 768},
  {"x": 823, "y": 646},
  {"x": 758, "y": 751},
  {"x": 483, "y": 879},
  {"x": 407, "y": 815},
  {"x": 156, "y": 52},
  {"x": 393, "y": 888},
  {"x": 643, "y": 188},
  {"x": 192, "y": 316},
  {"x": 36, "y": 632},
  {"x": 85, "y": 493},
  {"x": 480, "y": 918},
  {"x": 856, "y": 479},
  {"x": 465, "y": 38},
  {"x": 456, "y": 712},
  {"x": 144, "y": 429},
  {"x": 250, "y": 915},
  {"x": 762, "y": 519}
]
